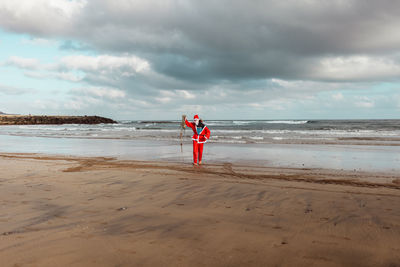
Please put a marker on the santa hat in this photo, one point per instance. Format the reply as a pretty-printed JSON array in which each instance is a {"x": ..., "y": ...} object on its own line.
[{"x": 196, "y": 117}]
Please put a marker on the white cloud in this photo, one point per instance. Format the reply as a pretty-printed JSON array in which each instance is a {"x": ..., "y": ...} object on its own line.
[
  {"x": 100, "y": 92},
  {"x": 67, "y": 76},
  {"x": 63, "y": 8},
  {"x": 339, "y": 96},
  {"x": 24, "y": 63},
  {"x": 40, "y": 16},
  {"x": 163, "y": 100},
  {"x": 127, "y": 65},
  {"x": 357, "y": 68},
  {"x": 397, "y": 101},
  {"x": 42, "y": 104},
  {"x": 133, "y": 103},
  {"x": 12, "y": 90},
  {"x": 193, "y": 109},
  {"x": 39, "y": 42},
  {"x": 184, "y": 94},
  {"x": 35, "y": 74},
  {"x": 364, "y": 102},
  {"x": 277, "y": 104},
  {"x": 302, "y": 86},
  {"x": 82, "y": 102},
  {"x": 75, "y": 68}
]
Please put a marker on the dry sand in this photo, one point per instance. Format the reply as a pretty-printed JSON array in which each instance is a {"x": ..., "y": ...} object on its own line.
[{"x": 61, "y": 211}]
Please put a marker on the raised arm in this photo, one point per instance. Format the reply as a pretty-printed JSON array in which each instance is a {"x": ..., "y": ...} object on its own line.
[{"x": 189, "y": 124}]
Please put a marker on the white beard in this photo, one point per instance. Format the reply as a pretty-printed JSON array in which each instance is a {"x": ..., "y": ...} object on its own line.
[{"x": 196, "y": 122}]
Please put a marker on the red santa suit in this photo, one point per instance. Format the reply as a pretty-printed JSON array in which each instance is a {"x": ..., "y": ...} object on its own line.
[{"x": 200, "y": 136}]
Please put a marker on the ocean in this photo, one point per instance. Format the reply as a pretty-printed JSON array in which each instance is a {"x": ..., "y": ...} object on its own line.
[
  {"x": 362, "y": 132},
  {"x": 359, "y": 145}
]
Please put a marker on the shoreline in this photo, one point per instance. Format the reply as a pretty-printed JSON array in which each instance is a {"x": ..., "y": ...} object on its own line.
[
  {"x": 102, "y": 211},
  {"x": 342, "y": 141},
  {"x": 339, "y": 157}
]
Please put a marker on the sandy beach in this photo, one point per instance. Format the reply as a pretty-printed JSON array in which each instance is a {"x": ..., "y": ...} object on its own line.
[{"x": 90, "y": 211}]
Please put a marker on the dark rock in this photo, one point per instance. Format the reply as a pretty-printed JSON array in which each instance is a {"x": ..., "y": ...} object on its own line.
[{"x": 29, "y": 119}]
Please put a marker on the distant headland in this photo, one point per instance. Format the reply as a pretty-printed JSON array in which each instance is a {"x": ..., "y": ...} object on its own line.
[{"x": 6, "y": 119}]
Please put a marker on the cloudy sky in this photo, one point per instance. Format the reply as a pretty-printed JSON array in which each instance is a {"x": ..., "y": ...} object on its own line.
[{"x": 226, "y": 59}]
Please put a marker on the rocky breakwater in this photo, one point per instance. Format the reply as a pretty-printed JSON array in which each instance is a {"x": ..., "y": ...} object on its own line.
[{"x": 31, "y": 119}]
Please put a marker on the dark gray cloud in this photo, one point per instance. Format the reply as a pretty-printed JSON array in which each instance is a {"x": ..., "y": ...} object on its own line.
[
  {"x": 209, "y": 41},
  {"x": 244, "y": 40}
]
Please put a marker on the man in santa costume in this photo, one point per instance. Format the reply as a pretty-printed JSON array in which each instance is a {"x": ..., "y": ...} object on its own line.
[{"x": 200, "y": 136}]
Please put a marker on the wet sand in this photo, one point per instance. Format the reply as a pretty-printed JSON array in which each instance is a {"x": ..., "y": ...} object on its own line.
[
  {"x": 340, "y": 157},
  {"x": 75, "y": 211}
]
